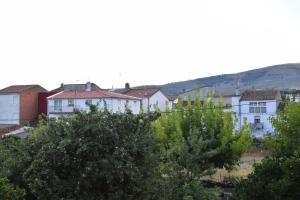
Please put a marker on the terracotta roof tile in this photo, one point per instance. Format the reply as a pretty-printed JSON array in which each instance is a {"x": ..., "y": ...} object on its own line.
[
  {"x": 140, "y": 93},
  {"x": 172, "y": 97},
  {"x": 259, "y": 95},
  {"x": 18, "y": 88},
  {"x": 90, "y": 95}
]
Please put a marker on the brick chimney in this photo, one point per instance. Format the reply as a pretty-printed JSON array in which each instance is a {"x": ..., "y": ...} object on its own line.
[
  {"x": 127, "y": 86},
  {"x": 88, "y": 86}
]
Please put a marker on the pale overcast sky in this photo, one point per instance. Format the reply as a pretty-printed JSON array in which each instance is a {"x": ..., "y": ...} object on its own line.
[{"x": 142, "y": 42}]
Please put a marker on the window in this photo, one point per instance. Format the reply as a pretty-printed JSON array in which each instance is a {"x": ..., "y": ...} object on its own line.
[
  {"x": 257, "y": 107},
  {"x": 88, "y": 102},
  {"x": 256, "y": 119},
  {"x": 228, "y": 106},
  {"x": 15, "y": 100},
  {"x": 57, "y": 105},
  {"x": 71, "y": 102}
]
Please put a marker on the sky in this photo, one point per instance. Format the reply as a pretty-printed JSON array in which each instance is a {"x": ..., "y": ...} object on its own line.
[{"x": 142, "y": 42}]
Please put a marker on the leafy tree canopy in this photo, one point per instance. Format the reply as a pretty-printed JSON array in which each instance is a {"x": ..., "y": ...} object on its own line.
[
  {"x": 194, "y": 141},
  {"x": 277, "y": 177},
  {"x": 95, "y": 155}
]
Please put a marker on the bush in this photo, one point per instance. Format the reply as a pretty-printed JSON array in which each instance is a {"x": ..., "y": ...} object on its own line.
[
  {"x": 9, "y": 192},
  {"x": 277, "y": 177},
  {"x": 96, "y": 155}
]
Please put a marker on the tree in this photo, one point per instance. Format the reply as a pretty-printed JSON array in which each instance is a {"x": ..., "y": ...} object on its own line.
[
  {"x": 9, "y": 192},
  {"x": 277, "y": 177},
  {"x": 194, "y": 141},
  {"x": 95, "y": 155}
]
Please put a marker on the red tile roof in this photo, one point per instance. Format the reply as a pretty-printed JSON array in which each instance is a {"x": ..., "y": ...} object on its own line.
[
  {"x": 172, "y": 97},
  {"x": 90, "y": 95},
  {"x": 140, "y": 93},
  {"x": 259, "y": 95},
  {"x": 18, "y": 88}
]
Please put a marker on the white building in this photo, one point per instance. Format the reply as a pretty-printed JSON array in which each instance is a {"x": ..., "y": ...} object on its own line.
[
  {"x": 257, "y": 108},
  {"x": 19, "y": 104},
  {"x": 152, "y": 98},
  {"x": 66, "y": 102},
  {"x": 292, "y": 95},
  {"x": 172, "y": 100},
  {"x": 227, "y": 95}
]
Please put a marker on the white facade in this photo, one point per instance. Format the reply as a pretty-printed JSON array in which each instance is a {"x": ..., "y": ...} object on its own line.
[
  {"x": 257, "y": 113},
  {"x": 158, "y": 100},
  {"x": 10, "y": 109},
  {"x": 56, "y": 107},
  {"x": 171, "y": 104}
]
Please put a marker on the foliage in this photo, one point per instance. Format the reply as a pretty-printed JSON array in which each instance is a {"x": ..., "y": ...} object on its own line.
[
  {"x": 9, "y": 192},
  {"x": 101, "y": 155},
  {"x": 96, "y": 155},
  {"x": 277, "y": 177},
  {"x": 193, "y": 141},
  {"x": 272, "y": 179}
]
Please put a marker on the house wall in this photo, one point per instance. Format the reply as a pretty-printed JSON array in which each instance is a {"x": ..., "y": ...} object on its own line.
[
  {"x": 159, "y": 100},
  {"x": 156, "y": 100},
  {"x": 10, "y": 109},
  {"x": 29, "y": 104},
  {"x": 113, "y": 105},
  {"x": 264, "y": 117},
  {"x": 235, "y": 101},
  {"x": 170, "y": 104},
  {"x": 42, "y": 105}
]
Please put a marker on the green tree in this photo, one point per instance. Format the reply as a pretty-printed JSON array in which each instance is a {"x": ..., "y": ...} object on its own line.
[
  {"x": 9, "y": 192},
  {"x": 95, "y": 155},
  {"x": 194, "y": 141},
  {"x": 277, "y": 177}
]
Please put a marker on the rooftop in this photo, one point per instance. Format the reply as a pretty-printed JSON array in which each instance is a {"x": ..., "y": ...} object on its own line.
[
  {"x": 18, "y": 88},
  {"x": 90, "y": 95},
  {"x": 140, "y": 93},
  {"x": 76, "y": 87},
  {"x": 259, "y": 95}
]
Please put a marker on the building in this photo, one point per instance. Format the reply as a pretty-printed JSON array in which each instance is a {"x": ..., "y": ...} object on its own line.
[
  {"x": 257, "y": 107},
  {"x": 152, "y": 97},
  {"x": 292, "y": 95},
  {"x": 42, "y": 105},
  {"x": 19, "y": 104},
  {"x": 172, "y": 99},
  {"x": 214, "y": 91},
  {"x": 66, "y": 102}
]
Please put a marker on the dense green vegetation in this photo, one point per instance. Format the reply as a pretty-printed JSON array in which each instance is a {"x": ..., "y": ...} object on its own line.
[
  {"x": 277, "y": 177},
  {"x": 193, "y": 142},
  {"x": 100, "y": 155},
  {"x": 9, "y": 192}
]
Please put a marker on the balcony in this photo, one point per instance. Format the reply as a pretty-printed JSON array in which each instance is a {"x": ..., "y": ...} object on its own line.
[
  {"x": 258, "y": 130},
  {"x": 257, "y": 126}
]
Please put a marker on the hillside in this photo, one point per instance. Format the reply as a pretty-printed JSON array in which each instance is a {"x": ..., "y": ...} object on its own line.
[{"x": 285, "y": 76}]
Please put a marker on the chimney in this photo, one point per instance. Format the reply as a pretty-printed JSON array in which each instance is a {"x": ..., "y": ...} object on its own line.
[
  {"x": 88, "y": 86},
  {"x": 62, "y": 85},
  {"x": 127, "y": 86},
  {"x": 214, "y": 90},
  {"x": 237, "y": 91}
]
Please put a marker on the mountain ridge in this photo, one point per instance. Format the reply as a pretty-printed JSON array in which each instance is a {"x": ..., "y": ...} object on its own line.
[{"x": 279, "y": 77}]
